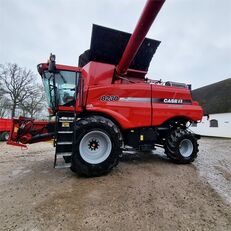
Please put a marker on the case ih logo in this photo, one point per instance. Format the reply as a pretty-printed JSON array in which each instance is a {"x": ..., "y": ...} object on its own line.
[
  {"x": 106, "y": 98},
  {"x": 174, "y": 101}
]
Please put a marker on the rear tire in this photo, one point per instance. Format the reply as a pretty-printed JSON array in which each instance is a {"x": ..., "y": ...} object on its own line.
[
  {"x": 5, "y": 136},
  {"x": 181, "y": 146},
  {"x": 98, "y": 146}
]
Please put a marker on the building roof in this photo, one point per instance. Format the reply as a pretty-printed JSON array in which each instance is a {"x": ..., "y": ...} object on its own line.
[{"x": 214, "y": 98}]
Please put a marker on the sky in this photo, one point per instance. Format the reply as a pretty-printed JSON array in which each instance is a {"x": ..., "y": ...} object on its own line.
[{"x": 195, "y": 35}]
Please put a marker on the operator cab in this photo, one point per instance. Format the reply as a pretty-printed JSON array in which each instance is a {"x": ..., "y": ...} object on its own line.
[{"x": 61, "y": 85}]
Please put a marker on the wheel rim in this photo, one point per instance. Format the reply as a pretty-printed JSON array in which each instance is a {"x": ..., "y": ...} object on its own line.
[
  {"x": 186, "y": 148},
  {"x": 6, "y": 137},
  {"x": 95, "y": 147}
]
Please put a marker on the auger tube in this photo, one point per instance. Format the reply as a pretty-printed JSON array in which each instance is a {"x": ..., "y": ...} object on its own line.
[{"x": 147, "y": 17}]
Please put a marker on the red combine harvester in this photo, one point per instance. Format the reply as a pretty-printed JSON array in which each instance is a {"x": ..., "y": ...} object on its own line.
[
  {"x": 5, "y": 126},
  {"x": 107, "y": 104}
]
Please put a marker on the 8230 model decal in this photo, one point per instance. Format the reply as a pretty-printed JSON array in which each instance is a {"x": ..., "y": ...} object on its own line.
[{"x": 106, "y": 98}]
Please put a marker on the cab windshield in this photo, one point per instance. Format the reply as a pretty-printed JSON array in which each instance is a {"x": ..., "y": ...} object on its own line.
[{"x": 60, "y": 88}]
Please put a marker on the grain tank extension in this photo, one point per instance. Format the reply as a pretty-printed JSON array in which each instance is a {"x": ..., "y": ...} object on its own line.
[{"x": 107, "y": 105}]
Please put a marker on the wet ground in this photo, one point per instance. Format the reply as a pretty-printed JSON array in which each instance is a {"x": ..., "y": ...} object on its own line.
[{"x": 144, "y": 192}]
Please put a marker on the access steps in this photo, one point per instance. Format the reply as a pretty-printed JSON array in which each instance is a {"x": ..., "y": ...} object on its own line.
[{"x": 64, "y": 139}]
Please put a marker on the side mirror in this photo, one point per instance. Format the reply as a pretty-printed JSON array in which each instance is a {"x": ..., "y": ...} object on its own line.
[{"x": 51, "y": 63}]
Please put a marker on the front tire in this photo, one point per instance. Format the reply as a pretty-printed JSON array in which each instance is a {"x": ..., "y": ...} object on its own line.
[
  {"x": 181, "y": 146},
  {"x": 5, "y": 136},
  {"x": 98, "y": 146}
]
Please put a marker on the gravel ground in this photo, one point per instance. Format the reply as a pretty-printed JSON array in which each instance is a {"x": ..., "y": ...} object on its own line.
[{"x": 144, "y": 192}]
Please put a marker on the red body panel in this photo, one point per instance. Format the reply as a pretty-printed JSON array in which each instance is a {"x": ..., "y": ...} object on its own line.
[
  {"x": 137, "y": 104},
  {"x": 162, "y": 112},
  {"x": 128, "y": 113},
  {"x": 5, "y": 125},
  {"x": 95, "y": 73}
]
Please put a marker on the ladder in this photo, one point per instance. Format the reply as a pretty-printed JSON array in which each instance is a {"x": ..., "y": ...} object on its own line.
[{"x": 64, "y": 138}]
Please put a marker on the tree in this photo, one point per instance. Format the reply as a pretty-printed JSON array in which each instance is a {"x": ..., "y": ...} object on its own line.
[
  {"x": 34, "y": 103},
  {"x": 4, "y": 103},
  {"x": 16, "y": 84},
  {"x": 1, "y": 90},
  {"x": 4, "y": 107}
]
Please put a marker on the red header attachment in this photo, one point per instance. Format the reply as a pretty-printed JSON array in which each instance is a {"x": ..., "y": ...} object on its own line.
[
  {"x": 148, "y": 16},
  {"x": 27, "y": 131}
]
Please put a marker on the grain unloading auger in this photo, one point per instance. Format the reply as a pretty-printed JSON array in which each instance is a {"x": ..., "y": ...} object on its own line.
[{"x": 107, "y": 104}]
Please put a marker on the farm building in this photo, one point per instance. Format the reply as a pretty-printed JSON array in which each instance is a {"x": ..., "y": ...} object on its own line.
[{"x": 216, "y": 102}]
